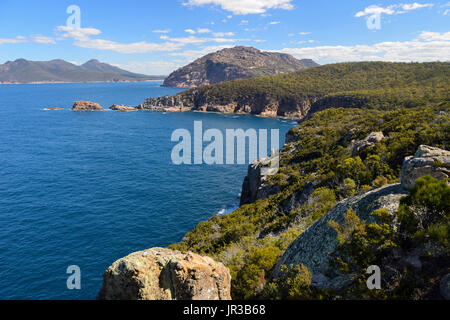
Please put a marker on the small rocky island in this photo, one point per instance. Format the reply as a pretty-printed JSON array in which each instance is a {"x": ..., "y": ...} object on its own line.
[
  {"x": 122, "y": 108},
  {"x": 86, "y": 106}
]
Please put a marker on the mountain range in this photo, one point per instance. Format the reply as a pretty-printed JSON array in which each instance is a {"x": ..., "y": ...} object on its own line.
[
  {"x": 25, "y": 71},
  {"x": 235, "y": 63}
]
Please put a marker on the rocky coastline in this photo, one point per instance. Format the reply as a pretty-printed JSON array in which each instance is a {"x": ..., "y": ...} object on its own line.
[
  {"x": 264, "y": 106},
  {"x": 164, "y": 274}
]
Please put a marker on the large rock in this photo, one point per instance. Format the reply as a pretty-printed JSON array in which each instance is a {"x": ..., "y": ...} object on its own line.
[
  {"x": 312, "y": 247},
  {"x": 255, "y": 184},
  {"x": 164, "y": 274},
  {"x": 86, "y": 106},
  {"x": 427, "y": 160},
  {"x": 122, "y": 108},
  {"x": 360, "y": 145}
]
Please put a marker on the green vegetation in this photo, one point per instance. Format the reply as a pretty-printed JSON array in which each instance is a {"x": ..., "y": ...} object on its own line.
[
  {"x": 251, "y": 239},
  {"x": 380, "y": 85},
  {"x": 423, "y": 223}
]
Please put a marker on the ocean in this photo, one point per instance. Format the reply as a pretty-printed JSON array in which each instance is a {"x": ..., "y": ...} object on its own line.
[{"x": 89, "y": 188}]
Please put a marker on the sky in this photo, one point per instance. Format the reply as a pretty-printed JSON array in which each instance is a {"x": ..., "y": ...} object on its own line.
[{"x": 157, "y": 37}]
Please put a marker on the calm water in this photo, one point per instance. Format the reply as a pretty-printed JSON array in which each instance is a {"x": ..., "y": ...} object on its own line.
[{"x": 88, "y": 188}]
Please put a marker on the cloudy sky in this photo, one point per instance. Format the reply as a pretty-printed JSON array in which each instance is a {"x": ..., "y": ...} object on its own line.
[{"x": 156, "y": 37}]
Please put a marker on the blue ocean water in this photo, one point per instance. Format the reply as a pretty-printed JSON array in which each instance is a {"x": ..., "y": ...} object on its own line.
[{"x": 88, "y": 188}]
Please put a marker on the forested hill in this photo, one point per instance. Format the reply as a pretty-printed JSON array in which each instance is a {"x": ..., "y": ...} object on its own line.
[
  {"x": 369, "y": 84},
  {"x": 25, "y": 71}
]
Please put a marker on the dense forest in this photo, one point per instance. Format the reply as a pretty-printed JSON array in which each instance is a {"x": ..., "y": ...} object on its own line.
[{"x": 363, "y": 84}]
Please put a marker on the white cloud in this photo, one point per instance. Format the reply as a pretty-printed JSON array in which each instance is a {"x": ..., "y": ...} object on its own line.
[
  {"x": 415, "y": 5},
  {"x": 191, "y": 55},
  {"x": 42, "y": 39},
  {"x": 304, "y": 33},
  {"x": 392, "y": 9},
  {"x": 203, "y": 30},
  {"x": 162, "y": 31},
  {"x": 197, "y": 40},
  {"x": 223, "y": 34},
  {"x": 150, "y": 67},
  {"x": 244, "y": 7},
  {"x": 34, "y": 38},
  {"x": 302, "y": 41},
  {"x": 428, "y": 46},
  {"x": 83, "y": 40},
  {"x": 275, "y": 22},
  {"x": 190, "y": 31},
  {"x": 434, "y": 36},
  {"x": 78, "y": 33},
  {"x": 135, "y": 47},
  {"x": 12, "y": 40}
]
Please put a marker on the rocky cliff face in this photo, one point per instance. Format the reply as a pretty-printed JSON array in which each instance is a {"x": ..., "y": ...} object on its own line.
[
  {"x": 232, "y": 64},
  {"x": 262, "y": 105},
  {"x": 163, "y": 274},
  {"x": 255, "y": 186}
]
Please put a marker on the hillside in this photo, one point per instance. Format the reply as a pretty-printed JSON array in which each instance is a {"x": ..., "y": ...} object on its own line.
[
  {"x": 232, "y": 64},
  {"x": 362, "y": 181},
  {"x": 25, "y": 71},
  {"x": 334, "y": 209},
  {"x": 370, "y": 84}
]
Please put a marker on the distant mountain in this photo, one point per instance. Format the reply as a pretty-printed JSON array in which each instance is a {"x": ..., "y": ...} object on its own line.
[
  {"x": 235, "y": 63},
  {"x": 25, "y": 71}
]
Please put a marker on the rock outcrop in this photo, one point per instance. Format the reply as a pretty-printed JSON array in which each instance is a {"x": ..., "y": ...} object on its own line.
[
  {"x": 427, "y": 160},
  {"x": 369, "y": 141},
  {"x": 312, "y": 248},
  {"x": 54, "y": 108},
  {"x": 122, "y": 108},
  {"x": 232, "y": 64},
  {"x": 264, "y": 106},
  {"x": 164, "y": 274},
  {"x": 86, "y": 106},
  {"x": 255, "y": 184}
]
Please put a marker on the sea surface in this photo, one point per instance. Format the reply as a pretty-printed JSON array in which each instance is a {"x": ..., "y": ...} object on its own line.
[{"x": 88, "y": 188}]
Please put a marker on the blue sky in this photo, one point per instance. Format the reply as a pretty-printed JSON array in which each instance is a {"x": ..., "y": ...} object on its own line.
[{"x": 156, "y": 37}]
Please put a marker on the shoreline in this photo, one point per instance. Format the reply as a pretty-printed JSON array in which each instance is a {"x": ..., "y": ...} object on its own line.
[{"x": 224, "y": 113}]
